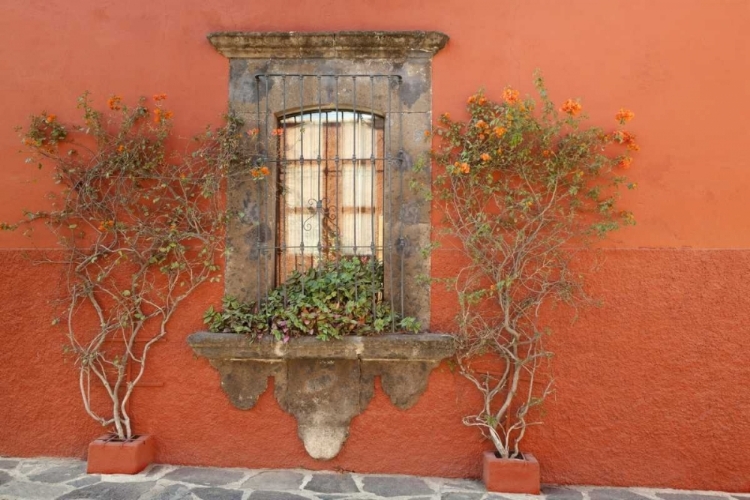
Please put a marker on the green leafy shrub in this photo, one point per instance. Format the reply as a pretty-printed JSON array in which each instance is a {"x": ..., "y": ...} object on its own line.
[{"x": 334, "y": 299}]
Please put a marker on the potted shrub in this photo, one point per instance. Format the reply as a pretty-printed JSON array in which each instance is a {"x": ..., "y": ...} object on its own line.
[
  {"x": 139, "y": 229},
  {"x": 524, "y": 184}
]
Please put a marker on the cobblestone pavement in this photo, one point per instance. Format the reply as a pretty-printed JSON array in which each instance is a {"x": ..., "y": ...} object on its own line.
[{"x": 66, "y": 479}]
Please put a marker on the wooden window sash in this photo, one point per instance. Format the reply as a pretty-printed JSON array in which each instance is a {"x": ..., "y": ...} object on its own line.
[{"x": 334, "y": 200}]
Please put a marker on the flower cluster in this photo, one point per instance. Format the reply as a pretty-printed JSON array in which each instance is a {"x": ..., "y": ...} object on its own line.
[
  {"x": 479, "y": 99},
  {"x": 259, "y": 173},
  {"x": 626, "y": 138},
  {"x": 624, "y": 115},
  {"x": 106, "y": 224},
  {"x": 460, "y": 168},
  {"x": 509, "y": 139},
  {"x": 510, "y": 96},
  {"x": 571, "y": 107},
  {"x": 160, "y": 114},
  {"x": 491, "y": 123},
  {"x": 115, "y": 103}
]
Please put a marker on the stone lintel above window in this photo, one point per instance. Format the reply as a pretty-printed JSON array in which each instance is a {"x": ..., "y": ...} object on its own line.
[{"x": 392, "y": 45}]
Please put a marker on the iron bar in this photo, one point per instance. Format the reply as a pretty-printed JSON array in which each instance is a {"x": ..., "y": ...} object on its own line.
[
  {"x": 373, "y": 181},
  {"x": 319, "y": 207},
  {"x": 391, "y": 221},
  {"x": 401, "y": 188}
]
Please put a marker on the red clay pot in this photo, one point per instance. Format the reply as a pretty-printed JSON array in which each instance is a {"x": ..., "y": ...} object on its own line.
[
  {"x": 107, "y": 455},
  {"x": 511, "y": 475}
]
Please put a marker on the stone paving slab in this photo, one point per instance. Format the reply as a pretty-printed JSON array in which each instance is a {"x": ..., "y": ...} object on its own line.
[
  {"x": 33, "y": 491},
  {"x": 275, "y": 480},
  {"x": 60, "y": 473},
  {"x": 205, "y": 476},
  {"x": 65, "y": 479},
  {"x": 615, "y": 494},
  {"x": 396, "y": 486},
  {"x": 685, "y": 496},
  {"x": 331, "y": 483}
]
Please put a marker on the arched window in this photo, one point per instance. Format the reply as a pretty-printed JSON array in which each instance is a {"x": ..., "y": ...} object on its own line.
[{"x": 330, "y": 199}]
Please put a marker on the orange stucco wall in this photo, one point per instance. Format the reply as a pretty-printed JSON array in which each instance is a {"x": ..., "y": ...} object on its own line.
[{"x": 653, "y": 388}]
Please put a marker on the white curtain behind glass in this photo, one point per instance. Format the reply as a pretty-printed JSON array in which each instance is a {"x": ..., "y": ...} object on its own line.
[
  {"x": 358, "y": 210},
  {"x": 358, "y": 218},
  {"x": 302, "y": 186}
]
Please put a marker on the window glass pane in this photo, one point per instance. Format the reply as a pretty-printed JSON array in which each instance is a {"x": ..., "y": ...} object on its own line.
[
  {"x": 304, "y": 139},
  {"x": 357, "y": 185},
  {"x": 355, "y": 138},
  {"x": 302, "y": 227},
  {"x": 350, "y": 211},
  {"x": 302, "y": 185},
  {"x": 356, "y": 228}
]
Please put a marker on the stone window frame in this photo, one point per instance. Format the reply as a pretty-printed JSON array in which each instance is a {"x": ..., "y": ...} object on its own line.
[{"x": 407, "y": 54}]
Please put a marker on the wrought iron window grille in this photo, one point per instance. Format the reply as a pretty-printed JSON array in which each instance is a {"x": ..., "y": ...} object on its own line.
[{"x": 336, "y": 160}]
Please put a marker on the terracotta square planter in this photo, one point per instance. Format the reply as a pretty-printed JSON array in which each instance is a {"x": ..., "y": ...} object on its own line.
[
  {"x": 511, "y": 475},
  {"x": 107, "y": 455}
]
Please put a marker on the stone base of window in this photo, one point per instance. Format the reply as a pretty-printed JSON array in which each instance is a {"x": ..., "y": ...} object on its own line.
[{"x": 324, "y": 384}]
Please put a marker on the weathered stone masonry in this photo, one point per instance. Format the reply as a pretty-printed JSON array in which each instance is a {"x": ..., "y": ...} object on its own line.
[
  {"x": 323, "y": 384},
  {"x": 407, "y": 55},
  {"x": 326, "y": 384}
]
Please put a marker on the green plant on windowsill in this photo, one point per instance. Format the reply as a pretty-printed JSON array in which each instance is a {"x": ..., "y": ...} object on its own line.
[{"x": 334, "y": 299}]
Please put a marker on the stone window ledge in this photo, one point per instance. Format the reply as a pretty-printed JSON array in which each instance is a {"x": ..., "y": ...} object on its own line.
[
  {"x": 418, "y": 347},
  {"x": 324, "y": 384}
]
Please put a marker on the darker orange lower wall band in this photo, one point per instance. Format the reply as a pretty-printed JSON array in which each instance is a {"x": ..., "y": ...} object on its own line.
[{"x": 649, "y": 388}]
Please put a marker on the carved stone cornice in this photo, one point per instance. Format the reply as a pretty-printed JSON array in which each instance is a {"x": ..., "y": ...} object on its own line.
[{"x": 392, "y": 45}]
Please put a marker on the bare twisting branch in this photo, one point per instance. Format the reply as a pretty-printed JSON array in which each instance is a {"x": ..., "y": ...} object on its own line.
[
  {"x": 140, "y": 227},
  {"x": 524, "y": 185}
]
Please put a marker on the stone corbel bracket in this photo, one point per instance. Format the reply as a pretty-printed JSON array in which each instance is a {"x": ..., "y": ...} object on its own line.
[{"x": 323, "y": 384}]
